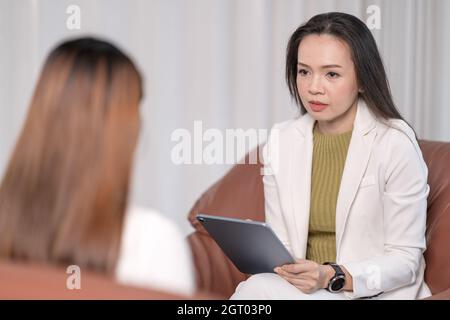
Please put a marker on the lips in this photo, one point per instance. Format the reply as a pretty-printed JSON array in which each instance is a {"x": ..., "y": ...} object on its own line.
[{"x": 317, "y": 106}]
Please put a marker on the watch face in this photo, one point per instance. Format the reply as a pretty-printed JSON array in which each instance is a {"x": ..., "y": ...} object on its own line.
[{"x": 337, "y": 284}]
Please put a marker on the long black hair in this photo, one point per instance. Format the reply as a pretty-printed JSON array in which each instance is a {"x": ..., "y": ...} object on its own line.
[{"x": 370, "y": 73}]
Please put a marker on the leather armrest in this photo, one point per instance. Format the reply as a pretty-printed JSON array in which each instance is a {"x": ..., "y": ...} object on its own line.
[{"x": 444, "y": 295}]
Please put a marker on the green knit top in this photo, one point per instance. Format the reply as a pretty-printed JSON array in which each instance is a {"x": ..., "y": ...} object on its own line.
[{"x": 329, "y": 154}]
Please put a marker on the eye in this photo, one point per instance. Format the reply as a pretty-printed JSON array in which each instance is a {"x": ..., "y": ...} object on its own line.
[
  {"x": 302, "y": 72},
  {"x": 333, "y": 75}
]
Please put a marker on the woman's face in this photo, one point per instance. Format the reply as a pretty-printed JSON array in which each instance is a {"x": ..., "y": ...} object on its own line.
[{"x": 326, "y": 82}]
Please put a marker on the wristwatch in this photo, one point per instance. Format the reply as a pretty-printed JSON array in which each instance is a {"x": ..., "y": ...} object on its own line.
[{"x": 337, "y": 282}]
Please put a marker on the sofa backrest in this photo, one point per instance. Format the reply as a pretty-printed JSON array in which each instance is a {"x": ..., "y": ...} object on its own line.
[
  {"x": 437, "y": 255},
  {"x": 239, "y": 194}
]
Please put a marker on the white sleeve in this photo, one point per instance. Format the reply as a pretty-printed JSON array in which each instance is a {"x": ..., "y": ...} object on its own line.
[
  {"x": 404, "y": 215},
  {"x": 155, "y": 254}
]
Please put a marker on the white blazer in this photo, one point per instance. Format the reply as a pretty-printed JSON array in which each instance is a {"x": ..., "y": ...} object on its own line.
[{"x": 381, "y": 206}]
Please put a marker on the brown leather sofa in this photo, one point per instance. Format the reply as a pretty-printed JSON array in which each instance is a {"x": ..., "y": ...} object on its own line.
[
  {"x": 23, "y": 281},
  {"x": 240, "y": 195},
  {"x": 44, "y": 282}
]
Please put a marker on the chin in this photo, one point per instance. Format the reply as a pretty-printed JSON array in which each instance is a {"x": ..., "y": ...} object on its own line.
[{"x": 320, "y": 116}]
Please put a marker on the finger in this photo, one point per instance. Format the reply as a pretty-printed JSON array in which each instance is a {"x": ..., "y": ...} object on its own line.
[
  {"x": 305, "y": 289},
  {"x": 298, "y": 267},
  {"x": 297, "y": 280},
  {"x": 307, "y": 276},
  {"x": 283, "y": 273},
  {"x": 308, "y": 284},
  {"x": 294, "y": 281}
]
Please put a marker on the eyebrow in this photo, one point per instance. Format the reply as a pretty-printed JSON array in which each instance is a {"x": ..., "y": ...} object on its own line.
[{"x": 323, "y": 67}]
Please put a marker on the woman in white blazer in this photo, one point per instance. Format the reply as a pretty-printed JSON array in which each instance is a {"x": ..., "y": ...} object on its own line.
[{"x": 336, "y": 75}]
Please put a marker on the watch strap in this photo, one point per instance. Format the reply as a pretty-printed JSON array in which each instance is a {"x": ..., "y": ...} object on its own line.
[{"x": 337, "y": 269}]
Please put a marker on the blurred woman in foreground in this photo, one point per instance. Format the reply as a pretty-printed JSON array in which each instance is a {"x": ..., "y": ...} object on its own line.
[{"x": 63, "y": 198}]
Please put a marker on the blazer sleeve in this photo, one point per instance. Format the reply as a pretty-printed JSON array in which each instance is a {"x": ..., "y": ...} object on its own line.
[
  {"x": 273, "y": 212},
  {"x": 404, "y": 222}
]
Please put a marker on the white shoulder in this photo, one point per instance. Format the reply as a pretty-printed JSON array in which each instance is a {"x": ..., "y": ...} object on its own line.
[
  {"x": 154, "y": 253},
  {"x": 148, "y": 219},
  {"x": 400, "y": 142},
  {"x": 402, "y": 136},
  {"x": 402, "y": 127}
]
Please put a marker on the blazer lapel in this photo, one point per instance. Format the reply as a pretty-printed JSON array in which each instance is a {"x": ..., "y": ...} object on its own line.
[
  {"x": 300, "y": 182},
  {"x": 355, "y": 165}
]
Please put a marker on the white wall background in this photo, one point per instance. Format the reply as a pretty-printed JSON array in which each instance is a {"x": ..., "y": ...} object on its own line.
[{"x": 219, "y": 61}]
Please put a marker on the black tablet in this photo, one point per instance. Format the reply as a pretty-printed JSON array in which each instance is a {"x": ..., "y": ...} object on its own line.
[{"x": 252, "y": 246}]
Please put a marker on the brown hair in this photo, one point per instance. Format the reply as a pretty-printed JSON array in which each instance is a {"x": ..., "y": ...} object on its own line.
[{"x": 64, "y": 193}]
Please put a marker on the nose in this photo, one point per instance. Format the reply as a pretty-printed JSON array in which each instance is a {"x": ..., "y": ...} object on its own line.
[{"x": 315, "y": 86}]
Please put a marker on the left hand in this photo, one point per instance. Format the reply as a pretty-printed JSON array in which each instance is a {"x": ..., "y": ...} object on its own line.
[{"x": 306, "y": 275}]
